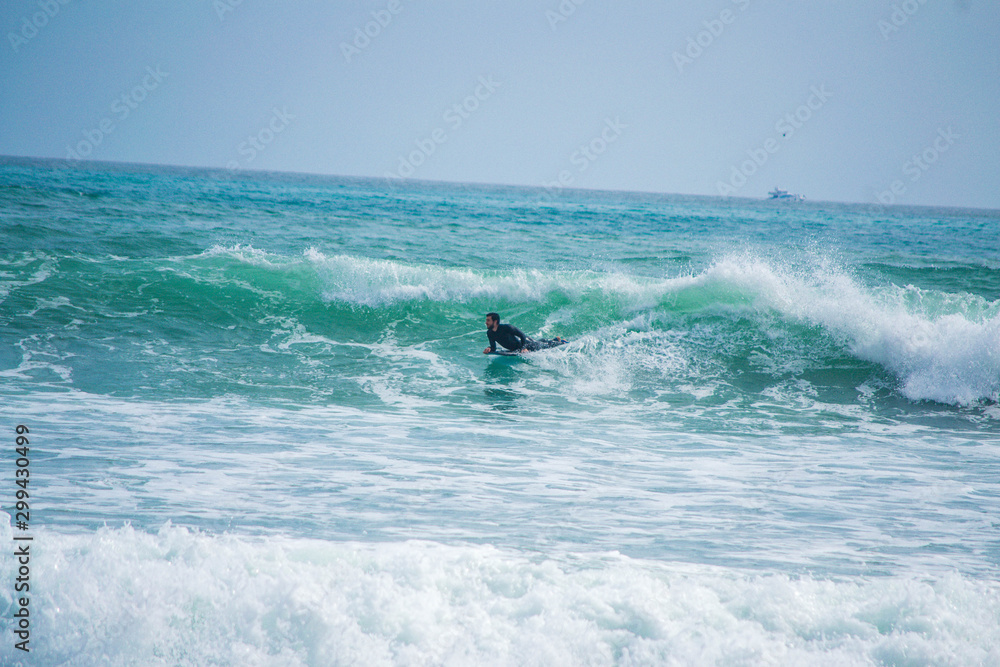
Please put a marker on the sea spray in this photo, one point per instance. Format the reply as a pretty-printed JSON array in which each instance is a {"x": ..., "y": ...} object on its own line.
[
  {"x": 941, "y": 348},
  {"x": 264, "y": 432},
  {"x": 124, "y": 597}
]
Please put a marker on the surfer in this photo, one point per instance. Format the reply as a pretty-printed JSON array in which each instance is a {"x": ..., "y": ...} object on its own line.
[{"x": 513, "y": 338}]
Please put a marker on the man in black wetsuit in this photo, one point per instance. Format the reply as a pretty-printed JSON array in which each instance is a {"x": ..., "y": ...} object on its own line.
[{"x": 513, "y": 338}]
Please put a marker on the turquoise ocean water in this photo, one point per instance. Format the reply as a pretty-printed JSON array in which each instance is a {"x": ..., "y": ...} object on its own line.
[{"x": 263, "y": 431}]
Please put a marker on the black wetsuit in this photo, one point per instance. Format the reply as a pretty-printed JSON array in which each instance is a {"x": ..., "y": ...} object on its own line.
[
  {"x": 514, "y": 339},
  {"x": 509, "y": 336}
]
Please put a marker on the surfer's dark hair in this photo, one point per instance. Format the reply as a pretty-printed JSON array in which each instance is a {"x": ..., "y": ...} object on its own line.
[{"x": 493, "y": 316}]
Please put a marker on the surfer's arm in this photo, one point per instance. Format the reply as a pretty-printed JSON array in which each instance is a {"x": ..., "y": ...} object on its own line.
[{"x": 522, "y": 340}]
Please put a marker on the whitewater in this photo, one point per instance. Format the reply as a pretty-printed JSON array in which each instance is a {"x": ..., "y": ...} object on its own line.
[{"x": 263, "y": 431}]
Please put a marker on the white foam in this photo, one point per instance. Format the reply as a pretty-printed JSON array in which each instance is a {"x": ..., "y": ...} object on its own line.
[
  {"x": 943, "y": 348},
  {"x": 40, "y": 354},
  {"x": 245, "y": 253},
  {"x": 126, "y": 597},
  {"x": 375, "y": 282},
  {"x": 40, "y": 274},
  {"x": 608, "y": 361},
  {"x": 46, "y": 304}
]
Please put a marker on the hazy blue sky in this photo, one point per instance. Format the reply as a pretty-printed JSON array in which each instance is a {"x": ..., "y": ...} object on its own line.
[{"x": 833, "y": 100}]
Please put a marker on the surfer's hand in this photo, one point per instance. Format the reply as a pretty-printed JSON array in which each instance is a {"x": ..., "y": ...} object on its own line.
[
  {"x": 524, "y": 349},
  {"x": 486, "y": 351}
]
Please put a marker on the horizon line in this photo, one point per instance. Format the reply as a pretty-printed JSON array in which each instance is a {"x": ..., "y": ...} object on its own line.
[{"x": 417, "y": 181}]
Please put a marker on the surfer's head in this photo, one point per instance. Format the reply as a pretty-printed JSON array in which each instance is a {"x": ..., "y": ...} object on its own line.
[{"x": 492, "y": 319}]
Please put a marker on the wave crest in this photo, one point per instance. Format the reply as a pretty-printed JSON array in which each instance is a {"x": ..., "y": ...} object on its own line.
[
  {"x": 942, "y": 347},
  {"x": 125, "y": 597}
]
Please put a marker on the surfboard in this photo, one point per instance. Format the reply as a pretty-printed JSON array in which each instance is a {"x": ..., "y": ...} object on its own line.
[{"x": 548, "y": 344}]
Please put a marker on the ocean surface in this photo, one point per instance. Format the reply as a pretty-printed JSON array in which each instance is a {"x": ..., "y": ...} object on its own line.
[{"x": 263, "y": 430}]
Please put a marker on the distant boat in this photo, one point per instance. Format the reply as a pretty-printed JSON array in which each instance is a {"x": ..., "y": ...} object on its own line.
[{"x": 784, "y": 194}]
